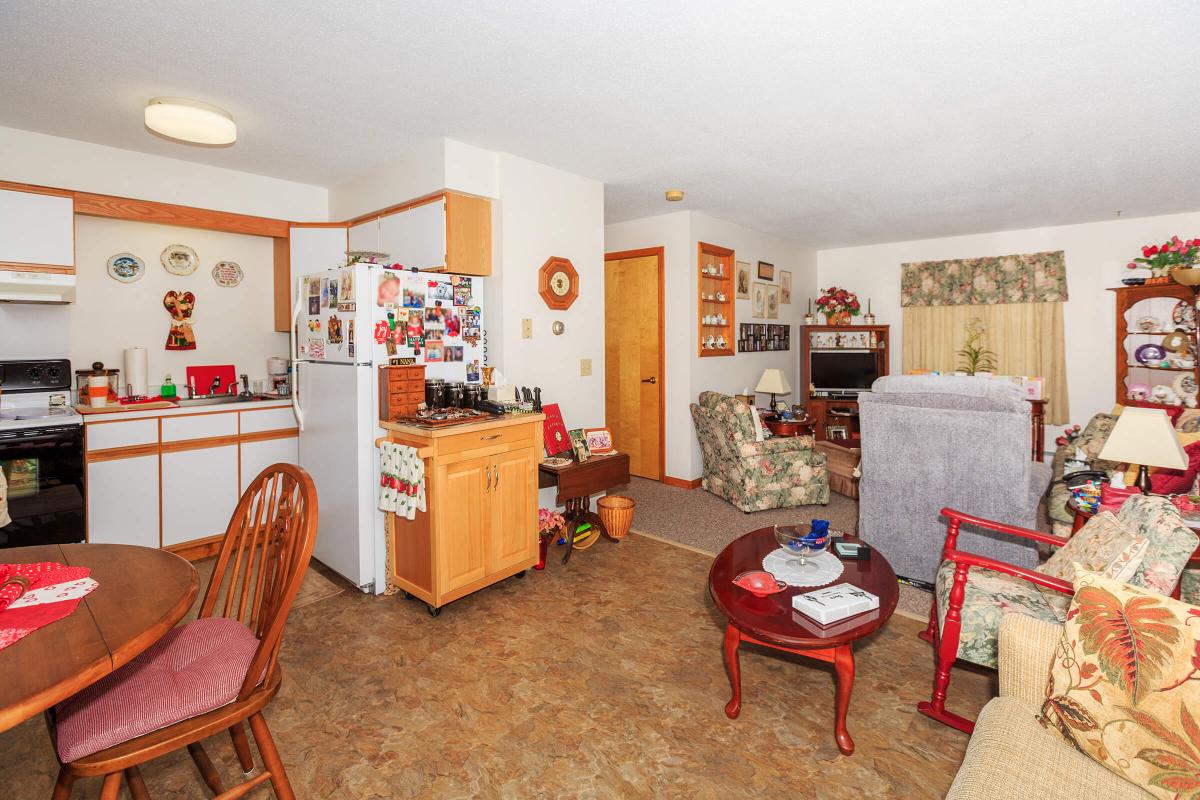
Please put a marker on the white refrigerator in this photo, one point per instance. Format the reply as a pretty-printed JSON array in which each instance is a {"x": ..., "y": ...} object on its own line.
[{"x": 338, "y": 343}]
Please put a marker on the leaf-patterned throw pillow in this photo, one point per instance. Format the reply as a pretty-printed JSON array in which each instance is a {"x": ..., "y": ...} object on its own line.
[
  {"x": 1124, "y": 686},
  {"x": 1103, "y": 545}
]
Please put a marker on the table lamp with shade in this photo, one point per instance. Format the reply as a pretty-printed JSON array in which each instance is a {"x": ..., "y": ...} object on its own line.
[
  {"x": 773, "y": 382},
  {"x": 1144, "y": 437}
]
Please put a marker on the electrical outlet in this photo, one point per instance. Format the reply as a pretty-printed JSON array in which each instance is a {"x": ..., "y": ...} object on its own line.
[
  {"x": 526, "y": 328},
  {"x": 585, "y": 367}
]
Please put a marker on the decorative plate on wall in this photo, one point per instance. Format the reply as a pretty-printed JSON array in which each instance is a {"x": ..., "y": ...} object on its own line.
[
  {"x": 126, "y": 268},
  {"x": 227, "y": 273},
  {"x": 179, "y": 259}
]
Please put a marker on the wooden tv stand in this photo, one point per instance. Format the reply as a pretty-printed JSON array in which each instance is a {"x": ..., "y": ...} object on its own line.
[{"x": 837, "y": 412}]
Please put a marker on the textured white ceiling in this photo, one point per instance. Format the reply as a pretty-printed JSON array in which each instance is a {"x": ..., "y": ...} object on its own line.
[{"x": 833, "y": 123}]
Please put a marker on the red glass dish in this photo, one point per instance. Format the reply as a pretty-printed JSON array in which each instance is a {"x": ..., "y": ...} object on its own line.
[{"x": 759, "y": 583}]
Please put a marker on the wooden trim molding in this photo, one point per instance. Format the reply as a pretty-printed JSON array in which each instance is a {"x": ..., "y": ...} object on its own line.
[
  {"x": 116, "y": 453},
  {"x": 28, "y": 187},
  {"x": 197, "y": 549},
  {"x": 20, "y": 266},
  {"x": 282, "y": 282},
  {"x": 101, "y": 205},
  {"x": 266, "y": 436},
  {"x": 181, "y": 445},
  {"x": 681, "y": 483}
]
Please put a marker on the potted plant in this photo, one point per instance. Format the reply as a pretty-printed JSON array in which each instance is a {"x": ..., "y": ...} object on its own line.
[
  {"x": 1172, "y": 259},
  {"x": 550, "y": 524},
  {"x": 838, "y": 305},
  {"x": 975, "y": 356}
]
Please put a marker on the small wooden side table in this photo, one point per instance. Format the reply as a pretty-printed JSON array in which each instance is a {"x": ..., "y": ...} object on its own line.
[
  {"x": 577, "y": 482},
  {"x": 1037, "y": 419}
]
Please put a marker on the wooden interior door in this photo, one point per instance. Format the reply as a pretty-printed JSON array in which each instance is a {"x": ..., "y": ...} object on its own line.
[
  {"x": 512, "y": 501},
  {"x": 633, "y": 347}
]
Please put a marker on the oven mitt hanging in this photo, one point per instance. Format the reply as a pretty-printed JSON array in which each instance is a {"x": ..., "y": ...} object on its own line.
[{"x": 180, "y": 307}]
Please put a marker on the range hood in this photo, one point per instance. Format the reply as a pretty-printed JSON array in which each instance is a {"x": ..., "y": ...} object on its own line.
[{"x": 36, "y": 287}]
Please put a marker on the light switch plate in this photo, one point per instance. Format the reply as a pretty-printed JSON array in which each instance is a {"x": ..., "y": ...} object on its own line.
[
  {"x": 585, "y": 366},
  {"x": 526, "y": 328}
]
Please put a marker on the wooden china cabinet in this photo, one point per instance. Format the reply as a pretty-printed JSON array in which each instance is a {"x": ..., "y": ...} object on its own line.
[{"x": 1148, "y": 344}]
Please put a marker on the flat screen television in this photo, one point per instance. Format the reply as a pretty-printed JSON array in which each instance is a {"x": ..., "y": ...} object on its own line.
[{"x": 843, "y": 371}]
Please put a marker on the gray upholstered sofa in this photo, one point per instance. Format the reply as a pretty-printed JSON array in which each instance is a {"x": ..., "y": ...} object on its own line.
[{"x": 938, "y": 441}]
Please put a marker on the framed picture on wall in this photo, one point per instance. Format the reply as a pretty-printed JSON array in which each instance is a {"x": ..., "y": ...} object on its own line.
[
  {"x": 766, "y": 272},
  {"x": 785, "y": 291},
  {"x": 772, "y": 302},
  {"x": 758, "y": 301},
  {"x": 741, "y": 280}
]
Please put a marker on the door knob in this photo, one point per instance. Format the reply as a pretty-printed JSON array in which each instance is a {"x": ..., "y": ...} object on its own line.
[{"x": 650, "y": 380}]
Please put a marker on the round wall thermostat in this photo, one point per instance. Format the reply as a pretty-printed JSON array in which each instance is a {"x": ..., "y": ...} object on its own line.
[{"x": 558, "y": 327}]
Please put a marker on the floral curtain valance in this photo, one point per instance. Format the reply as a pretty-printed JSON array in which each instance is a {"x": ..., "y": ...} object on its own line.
[{"x": 1027, "y": 278}]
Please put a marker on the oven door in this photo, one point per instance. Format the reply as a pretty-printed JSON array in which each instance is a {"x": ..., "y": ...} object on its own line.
[{"x": 43, "y": 468}]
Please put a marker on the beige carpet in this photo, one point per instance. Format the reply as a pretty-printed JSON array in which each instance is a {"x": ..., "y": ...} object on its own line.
[{"x": 705, "y": 523}]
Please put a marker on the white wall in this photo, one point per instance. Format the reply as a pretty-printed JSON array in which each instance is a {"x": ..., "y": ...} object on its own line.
[
  {"x": 232, "y": 325},
  {"x": 1095, "y": 256},
  {"x": 36, "y": 158},
  {"x": 687, "y": 374},
  {"x": 543, "y": 212}
]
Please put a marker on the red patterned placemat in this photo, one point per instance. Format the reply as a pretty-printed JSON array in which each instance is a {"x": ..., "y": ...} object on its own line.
[{"x": 34, "y": 595}]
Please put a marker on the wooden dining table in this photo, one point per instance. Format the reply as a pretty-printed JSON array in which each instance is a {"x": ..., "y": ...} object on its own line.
[{"x": 142, "y": 593}]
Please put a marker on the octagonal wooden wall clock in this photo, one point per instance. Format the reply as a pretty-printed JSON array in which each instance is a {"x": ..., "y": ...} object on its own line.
[{"x": 558, "y": 283}]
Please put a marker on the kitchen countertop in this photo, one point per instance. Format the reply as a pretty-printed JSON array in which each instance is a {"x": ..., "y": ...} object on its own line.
[
  {"x": 466, "y": 427},
  {"x": 216, "y": 408}
]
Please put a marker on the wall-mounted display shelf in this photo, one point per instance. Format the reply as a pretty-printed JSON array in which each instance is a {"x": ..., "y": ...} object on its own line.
[
  {"x": 714, "y": 301},
  {"x": 1156, "y": 344},
  {"x": 755, "y": 337}
]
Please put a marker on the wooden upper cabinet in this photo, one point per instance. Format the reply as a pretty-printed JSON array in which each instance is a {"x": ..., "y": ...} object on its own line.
[
  {"x": 37, "y": 230},
  {"x": 448, "y": 232}
]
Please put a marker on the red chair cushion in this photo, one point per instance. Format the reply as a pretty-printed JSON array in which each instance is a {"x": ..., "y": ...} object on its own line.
[{"x": 193, "y": 669}]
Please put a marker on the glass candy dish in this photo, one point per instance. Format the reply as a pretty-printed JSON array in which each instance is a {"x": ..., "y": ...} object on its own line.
[{"x": 802, "y": 542}]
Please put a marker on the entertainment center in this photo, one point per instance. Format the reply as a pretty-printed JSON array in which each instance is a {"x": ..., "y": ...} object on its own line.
[{"x": 836, "y": 363}]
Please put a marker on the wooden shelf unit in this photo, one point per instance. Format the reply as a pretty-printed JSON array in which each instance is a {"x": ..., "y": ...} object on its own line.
[
  {"x": 711, "y": 256},
  {"x": 1133, "y": 302},
  {"x": 829, "y": 411}
]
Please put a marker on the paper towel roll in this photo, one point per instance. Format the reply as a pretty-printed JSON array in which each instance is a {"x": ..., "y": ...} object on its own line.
[{"x": 136, "y": 370}]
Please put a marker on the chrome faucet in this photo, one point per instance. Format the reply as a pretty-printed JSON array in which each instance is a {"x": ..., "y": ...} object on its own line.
[{"x": 215, "y": 386}]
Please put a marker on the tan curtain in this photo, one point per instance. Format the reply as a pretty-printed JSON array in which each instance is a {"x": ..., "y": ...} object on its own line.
[{"x": 1027, "y": 339}]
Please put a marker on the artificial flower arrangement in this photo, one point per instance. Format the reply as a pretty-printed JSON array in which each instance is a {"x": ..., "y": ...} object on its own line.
[
  {"x": 1069, "y": 435},
  {"x": 1162, "y": 258},
  {"x": 550, "y": 522},
  {"x": 838, "y": 305}
]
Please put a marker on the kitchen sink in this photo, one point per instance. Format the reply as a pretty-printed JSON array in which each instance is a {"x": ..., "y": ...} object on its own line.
[{"x": 218, "y": 399}]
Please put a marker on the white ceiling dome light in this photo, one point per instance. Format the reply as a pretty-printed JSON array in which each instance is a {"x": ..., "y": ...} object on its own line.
[{"x": 190, "y": 121}]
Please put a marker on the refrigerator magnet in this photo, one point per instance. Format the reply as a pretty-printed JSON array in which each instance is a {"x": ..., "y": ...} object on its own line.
[
  {"x": 350, "y": 337},
  {"x": 316, "y": 348},
  {"x": 388, "y": 291},
  {"x": 314, "y": 305},
  {"x": 381, "y": 332}
]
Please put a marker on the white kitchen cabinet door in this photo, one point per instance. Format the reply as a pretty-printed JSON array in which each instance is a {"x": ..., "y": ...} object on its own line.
[
  {"x": 122, "y": 501},
  {"x": 257, "y": 456},
  {"x": 199, "y": 492},
  {"x": 37, "y": 228},
  {"x": 315, "y": 250},
  {"x": 364, "y": 236},
  {"x": 416, "y": 237}
]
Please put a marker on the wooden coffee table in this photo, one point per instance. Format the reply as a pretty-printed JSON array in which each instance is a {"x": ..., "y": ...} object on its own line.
[{"x": 772, "y": 622}]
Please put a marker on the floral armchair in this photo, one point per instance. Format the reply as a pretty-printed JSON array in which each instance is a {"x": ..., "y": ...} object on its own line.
[
  {"x": 754, "y": 475},
  {"x": 973, "y": 593}
]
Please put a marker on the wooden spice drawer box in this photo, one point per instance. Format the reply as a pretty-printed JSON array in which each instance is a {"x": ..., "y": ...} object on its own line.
[{"x": 401, "y": 390}]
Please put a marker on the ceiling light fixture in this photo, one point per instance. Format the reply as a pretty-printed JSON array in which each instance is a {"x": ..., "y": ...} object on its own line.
[
  {"x": 190, "y": 121},
  {"x": 674, "y": 195}
]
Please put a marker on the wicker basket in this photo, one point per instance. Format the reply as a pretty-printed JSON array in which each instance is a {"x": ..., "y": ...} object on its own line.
[{"x": 616, "y": 512}]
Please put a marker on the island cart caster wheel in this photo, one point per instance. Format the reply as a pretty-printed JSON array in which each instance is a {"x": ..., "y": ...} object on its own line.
[
  {"x": 520, "y": 574},
  {"x": 433, "y": 611},
  {"x": 405, "y": 595}
]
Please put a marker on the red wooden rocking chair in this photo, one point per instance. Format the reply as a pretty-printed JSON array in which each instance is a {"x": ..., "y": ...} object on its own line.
[{"x": 946, "y": 643}]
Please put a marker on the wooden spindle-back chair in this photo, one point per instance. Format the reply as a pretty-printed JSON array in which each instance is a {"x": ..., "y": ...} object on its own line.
[{"x": 255, "y": 580}]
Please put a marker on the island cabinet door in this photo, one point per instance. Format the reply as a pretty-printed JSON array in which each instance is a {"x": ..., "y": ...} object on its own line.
[
  {"x": 460, "y": 523},
  {"x": 512, "y": 505},
  {"x": 199, "y": 492}
]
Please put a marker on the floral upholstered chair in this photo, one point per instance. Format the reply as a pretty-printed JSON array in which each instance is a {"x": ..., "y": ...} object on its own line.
[
  {"x": 973, "y": 593},
  {"x": 751, "y": 473}
]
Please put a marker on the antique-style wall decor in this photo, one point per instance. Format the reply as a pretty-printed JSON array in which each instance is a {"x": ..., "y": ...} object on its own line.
[
  {"x": 558, "y": 283},
  {"x": 180, "y": 307}
]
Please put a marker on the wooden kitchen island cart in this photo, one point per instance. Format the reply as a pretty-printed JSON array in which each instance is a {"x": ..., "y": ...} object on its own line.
[{"x": 480, "y": 527}]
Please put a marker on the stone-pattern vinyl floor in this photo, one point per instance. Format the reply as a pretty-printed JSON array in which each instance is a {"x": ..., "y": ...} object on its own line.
[{"x": 602, "y": 679}]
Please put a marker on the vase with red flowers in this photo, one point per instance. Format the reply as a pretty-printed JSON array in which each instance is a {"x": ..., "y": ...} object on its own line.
[
  {"x": 550, "y": 524},
  {"x": 838, "y": 305},
  {"x": 1175, "y": 258}
]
